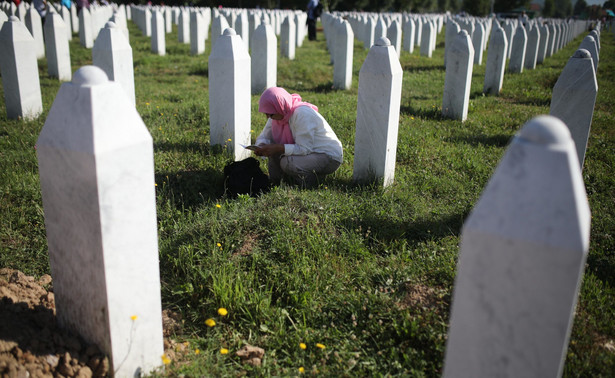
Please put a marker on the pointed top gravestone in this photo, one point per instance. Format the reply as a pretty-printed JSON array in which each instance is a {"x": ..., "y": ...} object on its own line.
[
  {"x": 589, "y": 44},
  {"x": 574, "y": 98},
  {"x": 343, "y": 48},
  {"x": 113, "y": 54},
  {"x": 496, "y": 62},
  {"x": 264, "y": 60},
  {"x": 19, "y": 71},
  {"x": 522, "y": 255},
  {"x": 458, "y": 78},
  {"x": 517, "y": 53},
  {"x": 96, "y": 167},
  {"x": 56, "y": 46},
  {"x": 378, "y": 105},
  {"x": 230, "y": 94}
]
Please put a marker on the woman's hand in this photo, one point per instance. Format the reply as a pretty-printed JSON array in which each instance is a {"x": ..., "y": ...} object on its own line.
[{"x": 269, "y": 150}]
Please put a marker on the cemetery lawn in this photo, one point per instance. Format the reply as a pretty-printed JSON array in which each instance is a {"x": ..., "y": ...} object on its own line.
[{"x": 344, "y": 279}]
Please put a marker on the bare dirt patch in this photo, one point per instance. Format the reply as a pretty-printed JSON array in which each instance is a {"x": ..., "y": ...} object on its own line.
[{"x": 31, "y": 343}]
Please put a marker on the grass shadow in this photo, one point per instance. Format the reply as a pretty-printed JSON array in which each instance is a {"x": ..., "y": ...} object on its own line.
[
  {"x": 324, "y": 88},
  {"x": 190, "y": 189},
  {"x": 415, "y": 233},
  {"x": 418, "y": 69},
  {"x": 194, "y": 147},
  {"x": 500, "y": 140},
  {"x": 433, "y": 113}
]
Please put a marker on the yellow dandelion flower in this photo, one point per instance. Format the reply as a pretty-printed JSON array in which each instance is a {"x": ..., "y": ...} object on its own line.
[
  {"x": 223, "y": 351},
  {"x": 219, "y": 245},
  {"x": 222, "y": 311},
  {"x": 155, "y": 184},
  {"x": 133, "y": 317},
  {"x": 210, "y": 322},
  {"x": 165, "y": 359},
  {"x": 147, "y": 103},
  {"x": 301, "y": 370},
  {"x": 411, "y": 117},
  {"x": 302, "y": 346},
  {"x": 321, "y": 346},
  {"x": 196, "y": 351},
  {"x": 218, "y": 205},
  {"x": 229, "y": 140}
]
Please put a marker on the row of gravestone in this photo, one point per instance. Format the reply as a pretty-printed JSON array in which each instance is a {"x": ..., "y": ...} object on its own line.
[
  {"x": 60, "y": 145},
  {"x": 19, "y": 68},
  {"x": 522, "y": 252},
  {"x": 193, "y": 24}
]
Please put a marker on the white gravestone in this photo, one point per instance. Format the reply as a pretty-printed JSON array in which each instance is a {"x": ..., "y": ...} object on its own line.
[
  {"x": 74, "y": 19},
  {"x": 65, "y": 13},
  {"x": 426, "y": 39},
  {"x": 574, "y": 98},
  {"x": 418, "y": 32},
  {"x": 517, "y": 54},
  {"x": 218, "y": 26},
  {"x": 343, "y": 49},
  {"x": 242, "y": 27},
  {"x": 197, "y": 33},
  {"x": 370, "y": 32},
  {"x": 56, "y": 46},
  {"x": 452, "y": 29},
  {"x": 158, "y": 43},
  {"x": 458, "y": 78},
  {"x": 35, "y": 26},
  {"x": 596, "y": 34},
  {"x": 229, "y": 94},
  {"x": 394, "y": 35},
  {"x": 496, "y": 62},
  {"x": 113, "y": 54},
  {"x": 183, "y": 28},
  {"x": 408, "y": 36},
  {"x": 378, "y": 104},
  {"x": 544, "y": 44},
  {"x": 478, "y": 41},
  {"x": 531, "y": 52},
  {"x": 264, "y": 58},
  {"x": 589, "y": 44},
  {"x": 288, "y": 41},
  {"x": 522, "y": 255},
  {"x": 380, "y": 30},
  {"x": 552, "y": 39},
  {"x": 19, "y": 70},
  {"x": 86, "y": 36},
  {"x": 96, "y": 166},
  {"x": 168, "y": 18}
]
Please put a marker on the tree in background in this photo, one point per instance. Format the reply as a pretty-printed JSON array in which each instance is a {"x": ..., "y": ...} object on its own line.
[
  {"x": 580, "y": 7},
  {"x": 508, "y": 5},
  {"x": 547, "y": 9},
  {"x": 477, "y": 7},
  {"x": 563, "y": 8}
]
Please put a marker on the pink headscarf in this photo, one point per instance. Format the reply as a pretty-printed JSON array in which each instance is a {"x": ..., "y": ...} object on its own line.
[{"x": 277, "y": 100}]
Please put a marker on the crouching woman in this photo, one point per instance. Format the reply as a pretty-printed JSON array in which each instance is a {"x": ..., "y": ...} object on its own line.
[{"x": 297, "y": 140}]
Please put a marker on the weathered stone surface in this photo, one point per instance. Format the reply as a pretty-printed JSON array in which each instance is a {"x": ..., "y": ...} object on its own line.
[
  {"x": 96, "y": 167},
  {"x": 574, "y": 98},
  {"x": 523, "y": 250},
  {"x": 379, "y": 99}
]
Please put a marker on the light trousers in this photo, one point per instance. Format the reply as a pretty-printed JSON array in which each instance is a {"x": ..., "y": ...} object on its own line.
[{"x": 307, "y": 171}]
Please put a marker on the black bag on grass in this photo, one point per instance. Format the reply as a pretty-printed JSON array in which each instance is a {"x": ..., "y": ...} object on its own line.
[{"x": 245, "y": 177}]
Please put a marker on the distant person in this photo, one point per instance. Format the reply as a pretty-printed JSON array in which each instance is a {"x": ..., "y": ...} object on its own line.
[
  {"x": 41, "y": 8},
  {"x": 82, "y": 4},
  {"x": 297, "y": 140},
  {"x": 314, "y": 8}
]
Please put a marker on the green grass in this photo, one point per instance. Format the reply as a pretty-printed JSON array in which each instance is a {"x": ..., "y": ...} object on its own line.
[{"x": 366, "y": 271}]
